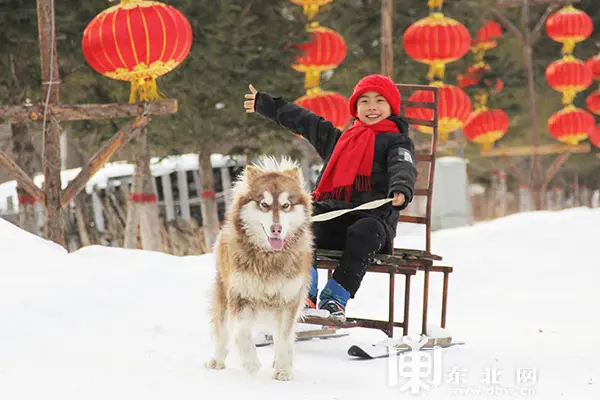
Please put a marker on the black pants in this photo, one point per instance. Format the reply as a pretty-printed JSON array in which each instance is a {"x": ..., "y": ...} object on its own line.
[{"x": 359, "y": 236}]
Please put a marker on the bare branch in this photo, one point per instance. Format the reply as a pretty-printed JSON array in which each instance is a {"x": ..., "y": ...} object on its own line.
[
  {"x": 537, "y": 31},
  {"x": 119, "y": 139},
  {"x": 507, "y": 24},
  {"x": 23, "y": 180}
]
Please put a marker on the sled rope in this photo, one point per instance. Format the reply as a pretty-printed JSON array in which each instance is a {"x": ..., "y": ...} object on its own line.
[{"x": 338, "y": 213}]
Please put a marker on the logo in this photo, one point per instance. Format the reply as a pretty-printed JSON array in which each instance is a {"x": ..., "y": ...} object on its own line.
[
  {"x": 405, "y": 155},
  {"x": 421, "y": 369}
]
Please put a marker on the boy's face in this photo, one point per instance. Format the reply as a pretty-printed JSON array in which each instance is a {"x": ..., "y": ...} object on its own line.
[{"x": 371, "y": 107}]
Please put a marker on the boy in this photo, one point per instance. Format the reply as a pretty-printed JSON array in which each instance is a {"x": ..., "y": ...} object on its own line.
[{"x": 373, "y": 159}]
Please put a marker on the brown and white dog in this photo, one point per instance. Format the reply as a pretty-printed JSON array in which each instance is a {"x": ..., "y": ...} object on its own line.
[{"x": 264, "y": 255}]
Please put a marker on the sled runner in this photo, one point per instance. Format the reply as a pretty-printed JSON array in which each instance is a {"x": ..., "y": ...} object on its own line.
[
  {"x": 306, "y": 332},
  {"x": 395, "y": 347},
  {"x": 407, "y": 262}
]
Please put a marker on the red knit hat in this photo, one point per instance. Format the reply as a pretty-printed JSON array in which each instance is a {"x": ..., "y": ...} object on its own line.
[{"x": 380, "y": 84}]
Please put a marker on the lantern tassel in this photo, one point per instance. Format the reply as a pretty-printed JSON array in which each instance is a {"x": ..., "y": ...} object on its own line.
[
  {"x": 572, "y": 140},
  {"x": 312, "y": 79},
  {"x": 436, "y": 69},
  {"x": 144, "y": 90},
  {"x": 481, "y": 99},
  {"x": 569, "y": 96},
  {"x": 435, "y": 3},
  {"x": 486, "y": 146},
  {"x": 568, "y": 46},
  {"x": 311, "y": 10},
  {"x": 442, "y": 136}
]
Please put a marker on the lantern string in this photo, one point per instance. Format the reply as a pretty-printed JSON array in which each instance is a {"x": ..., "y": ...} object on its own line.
[{"x": 50, "y": 79}]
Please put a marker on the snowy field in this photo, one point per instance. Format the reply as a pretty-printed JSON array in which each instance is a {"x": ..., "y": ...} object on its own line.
[{"x": 105, "y": 323}]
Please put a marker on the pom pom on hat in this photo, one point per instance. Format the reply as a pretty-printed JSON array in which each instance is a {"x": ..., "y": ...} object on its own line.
[{"x": 380, "y": 84}]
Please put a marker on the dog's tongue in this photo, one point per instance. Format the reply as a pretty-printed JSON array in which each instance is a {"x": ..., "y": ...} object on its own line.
[{"x": 276, "y": 243}]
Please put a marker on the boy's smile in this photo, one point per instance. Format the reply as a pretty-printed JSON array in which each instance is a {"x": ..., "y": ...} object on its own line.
[{"x": 372, "y": 107}]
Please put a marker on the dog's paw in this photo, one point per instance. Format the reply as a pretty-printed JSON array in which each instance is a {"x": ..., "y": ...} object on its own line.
[
  {"x": 214, "y": 364},
  {"x": 283, "y": 375},
  {"x": 251, "y": 366}
]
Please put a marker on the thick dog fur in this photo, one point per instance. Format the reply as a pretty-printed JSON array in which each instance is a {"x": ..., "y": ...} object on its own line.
[{"x": 256, "y": 278}]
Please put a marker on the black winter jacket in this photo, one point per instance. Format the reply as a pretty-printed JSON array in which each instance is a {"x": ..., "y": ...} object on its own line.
[{"x": 393, "y": 165}]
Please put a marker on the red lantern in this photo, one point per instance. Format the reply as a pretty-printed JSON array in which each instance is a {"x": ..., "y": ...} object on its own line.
[
  {"x": 595, "y": 136},
  {"x": 436, "y": 40},
  {"x": 594, "y": 65},
  {"x": 571, "y": 125},
  {"x": 325, "y": 51},
  {"x": 137, "y": 41},
  {"x": 593, "y": 102},
  {"x": 485, "y": 126},
  {"x": 453, "y": 109},
  {"x": 329, "y": 105},
  {"x": 472, "y": 76},
  {"x": 568, "y": 76},
  {"x": 485, "y": 36},
  {"x": 569, "y": 26}
]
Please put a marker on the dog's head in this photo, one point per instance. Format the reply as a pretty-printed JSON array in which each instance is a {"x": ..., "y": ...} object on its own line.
[{"x": 272, "y": 206}]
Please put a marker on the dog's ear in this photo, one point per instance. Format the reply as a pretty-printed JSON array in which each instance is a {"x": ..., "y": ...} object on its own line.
[
  {"x": 295, "y": 174},
  {"x": 251, "y": 173}
]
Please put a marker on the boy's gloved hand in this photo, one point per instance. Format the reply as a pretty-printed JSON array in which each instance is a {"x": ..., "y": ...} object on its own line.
[
  {"x": 249, "y": 104},
  {"x": 398, "y": 199}
]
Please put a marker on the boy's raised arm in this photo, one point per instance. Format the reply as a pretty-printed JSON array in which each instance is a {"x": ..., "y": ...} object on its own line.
[
  {"x": 316, "y": 129},
  {"x": 402, "y": 168}
]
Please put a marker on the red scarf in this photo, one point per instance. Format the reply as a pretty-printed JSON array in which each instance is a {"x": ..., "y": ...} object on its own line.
[{"x": 352, "y": 160}]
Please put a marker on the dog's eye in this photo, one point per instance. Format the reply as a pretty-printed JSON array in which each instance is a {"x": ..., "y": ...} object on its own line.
[
  {"x": 264, "y": 205},
  {"x": 285, "y": 206}
]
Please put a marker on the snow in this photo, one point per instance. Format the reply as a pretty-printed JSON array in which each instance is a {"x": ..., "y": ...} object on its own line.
[
  {"x": 74, "y": 326},
  {"x": 158, "y": 167},
  {"x": 448, "y": 160}
]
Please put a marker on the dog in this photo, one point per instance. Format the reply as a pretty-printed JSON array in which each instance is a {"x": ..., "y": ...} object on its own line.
[{"x": 264, "y": 254}]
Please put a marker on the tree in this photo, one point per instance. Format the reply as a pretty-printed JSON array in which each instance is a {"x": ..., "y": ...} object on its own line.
[{"x": 18, "y": 50}]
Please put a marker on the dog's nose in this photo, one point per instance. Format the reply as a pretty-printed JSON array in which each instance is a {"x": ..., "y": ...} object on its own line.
[{"x": 276, "y": 229}]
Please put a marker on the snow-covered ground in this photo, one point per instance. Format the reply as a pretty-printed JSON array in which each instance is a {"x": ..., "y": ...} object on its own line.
[{"x": 106, "y": 323}]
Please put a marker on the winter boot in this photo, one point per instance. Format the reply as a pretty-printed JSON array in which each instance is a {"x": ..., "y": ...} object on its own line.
[
  {"x": 313, "y": 290},
  {"x": 334, "y": 299}
]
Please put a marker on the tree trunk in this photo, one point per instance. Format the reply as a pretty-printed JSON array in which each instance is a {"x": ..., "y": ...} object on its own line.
[
  {"x": 82, "y": 226},
  {"x": 503, "y": 192},
  {"x": 132, "y": 224},
  {"x": 208, "y": 201},
  {"x": 25, "y": 157},
  {"x": 143, "y": 202},
  {"x": 387, "y": 47}
]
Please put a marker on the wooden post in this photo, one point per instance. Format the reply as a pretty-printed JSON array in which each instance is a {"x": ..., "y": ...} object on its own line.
[
  {"x": 387, "y": 48},
  {"x": 535, "y": 177},
  {"x": 208, "y": 201},
  {"x": 50, "y": 95}
]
